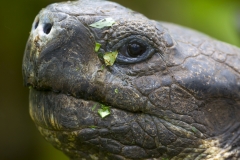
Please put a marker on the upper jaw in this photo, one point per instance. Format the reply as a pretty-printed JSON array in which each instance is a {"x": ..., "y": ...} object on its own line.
[
  {"x": 56, "y": 43},
  {"x": 61, "y": 31}
]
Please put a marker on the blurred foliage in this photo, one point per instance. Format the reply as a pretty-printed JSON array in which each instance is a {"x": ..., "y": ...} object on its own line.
[{"x": 19, "y": 138}]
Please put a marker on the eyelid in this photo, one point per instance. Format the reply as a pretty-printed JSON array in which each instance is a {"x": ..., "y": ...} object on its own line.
[
  {"x": 128, "y": 60},
  {"x": 123, "y": 59},
  {"x": 133, "y": 38}
]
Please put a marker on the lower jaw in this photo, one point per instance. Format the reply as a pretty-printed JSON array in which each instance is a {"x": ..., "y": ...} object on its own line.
[
  {"x": 76, "y": 145},
  {"x": 72, "y": 126},
  {"x": 86, "y": 144}
]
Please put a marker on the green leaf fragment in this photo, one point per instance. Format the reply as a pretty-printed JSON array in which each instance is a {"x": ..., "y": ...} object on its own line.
[
  {"x": 106, "y": 22},
  {"x": 116, "y": 90},
  {"x": 102, "y": 67},
  {"x": 94, "y": 106},
  {"x": 194, "y": 129},
  {"x": 93, "y": 127},
  {"x": 97, "y": 47},
  {"x": 104, "y": 111},
  {"x": 110, "y": 57}
]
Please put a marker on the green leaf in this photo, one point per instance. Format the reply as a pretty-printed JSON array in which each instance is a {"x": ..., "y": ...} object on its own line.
[
  {"x": 93, "y": 108},
  {"x": 104, "y": 111},
  {"x": 102, "y": 67},
  {"x": 106, "y": 22},
  {"x": 93, "y": 127},
  {"x": 116, "y": 90},
  {"x": 97, "y": 47},
  {"x": 194, "y": 129},
  {"x": 110, "y": 57}
]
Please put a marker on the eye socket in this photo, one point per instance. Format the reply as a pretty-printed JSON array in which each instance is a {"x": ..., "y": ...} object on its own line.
[{"x": 135, "y": 49}]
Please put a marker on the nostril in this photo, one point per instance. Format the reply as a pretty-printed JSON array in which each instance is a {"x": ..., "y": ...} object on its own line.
[
  {"x": 47, "y": 28},
  {"x": 36, "y": 24}
]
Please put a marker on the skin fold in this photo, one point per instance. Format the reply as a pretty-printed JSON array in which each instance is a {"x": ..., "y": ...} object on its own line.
[{"x": 173, "y": 93}]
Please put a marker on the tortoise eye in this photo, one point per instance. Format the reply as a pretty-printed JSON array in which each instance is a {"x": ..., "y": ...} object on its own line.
[{"x": 135, "y": 49}]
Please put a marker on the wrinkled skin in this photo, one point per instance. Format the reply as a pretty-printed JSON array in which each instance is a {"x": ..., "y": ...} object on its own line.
[{"x": 180, "y": 99}]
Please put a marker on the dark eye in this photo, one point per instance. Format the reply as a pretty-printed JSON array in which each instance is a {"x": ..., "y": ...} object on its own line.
[{"x": 135, "y": 49}]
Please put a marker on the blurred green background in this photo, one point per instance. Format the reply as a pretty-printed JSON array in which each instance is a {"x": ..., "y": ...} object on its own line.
[{"x": 19, "y": 138}]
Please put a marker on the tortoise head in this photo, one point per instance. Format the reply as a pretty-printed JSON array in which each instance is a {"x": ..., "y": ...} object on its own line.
[{"x": 106, "y": 82}]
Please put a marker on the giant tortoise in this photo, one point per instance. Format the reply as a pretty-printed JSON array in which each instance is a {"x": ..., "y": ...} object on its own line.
[{"x": 108, "y": 83}]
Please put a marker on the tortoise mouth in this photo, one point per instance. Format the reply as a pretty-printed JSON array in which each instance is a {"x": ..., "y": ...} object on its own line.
[
  {"x": 75, "y": 127},
  {"x": 58, "y": 111}
]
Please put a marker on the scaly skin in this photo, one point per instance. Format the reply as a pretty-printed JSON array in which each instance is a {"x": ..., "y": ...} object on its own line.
[{"x": 180, "y": 99}]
